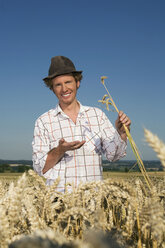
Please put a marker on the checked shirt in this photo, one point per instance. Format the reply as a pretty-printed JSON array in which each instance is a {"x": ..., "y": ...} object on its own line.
[{"x": 85, "y": 163}]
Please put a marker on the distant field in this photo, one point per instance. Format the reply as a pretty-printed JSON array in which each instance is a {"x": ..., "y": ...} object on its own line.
[
  {"x": 106, "y": 174},
  {"x": 10, "y": 176}
]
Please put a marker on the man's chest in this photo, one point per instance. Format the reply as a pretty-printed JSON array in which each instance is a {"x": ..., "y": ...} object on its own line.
[{"x": 84, "y": 129}]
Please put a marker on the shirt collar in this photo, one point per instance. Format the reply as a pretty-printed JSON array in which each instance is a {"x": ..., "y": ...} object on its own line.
[{"x": 82, "y": 110}]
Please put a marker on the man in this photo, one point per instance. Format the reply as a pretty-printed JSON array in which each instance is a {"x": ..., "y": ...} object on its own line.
[{"x": 70, "y": 139}]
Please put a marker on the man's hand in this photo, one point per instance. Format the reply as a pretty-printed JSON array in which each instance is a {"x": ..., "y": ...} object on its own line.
[
  {"x": 122, "y": 119},
  {"x": 57, "y": 153},
  {"x": 68, "y": 146}
]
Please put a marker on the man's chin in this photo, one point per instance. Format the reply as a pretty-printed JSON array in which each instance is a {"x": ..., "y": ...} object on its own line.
[{"x": 66, "y": 102}]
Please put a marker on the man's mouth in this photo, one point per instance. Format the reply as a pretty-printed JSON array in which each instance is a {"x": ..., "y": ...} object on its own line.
[{"x": 66, "y": 95}]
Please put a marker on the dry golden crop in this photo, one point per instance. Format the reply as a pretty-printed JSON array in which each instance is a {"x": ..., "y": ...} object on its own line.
[{"x": 109, "y": 213}]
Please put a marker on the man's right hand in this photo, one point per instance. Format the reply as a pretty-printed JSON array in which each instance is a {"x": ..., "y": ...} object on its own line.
[
  {"x": 57, "y": 153},
  {"x": 69, "y": 146}
]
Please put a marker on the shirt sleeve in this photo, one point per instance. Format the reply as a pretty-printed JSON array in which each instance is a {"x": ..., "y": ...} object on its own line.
[
  {"x": 40, "y": 145},
  {"x": 113, "y": 147}
]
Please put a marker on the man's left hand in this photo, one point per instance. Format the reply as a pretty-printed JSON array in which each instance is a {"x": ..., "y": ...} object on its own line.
[{"x": 122, "y": 119}]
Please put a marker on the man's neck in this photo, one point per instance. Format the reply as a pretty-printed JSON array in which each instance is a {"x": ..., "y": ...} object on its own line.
[{"x": 73, "y": 107}]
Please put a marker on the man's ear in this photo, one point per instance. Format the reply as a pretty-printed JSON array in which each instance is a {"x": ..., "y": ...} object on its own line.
[{"x": 78, "y": 84}]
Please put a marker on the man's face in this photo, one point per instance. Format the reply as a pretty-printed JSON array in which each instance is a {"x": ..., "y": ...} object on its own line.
[{"x": 65, "y": 88}]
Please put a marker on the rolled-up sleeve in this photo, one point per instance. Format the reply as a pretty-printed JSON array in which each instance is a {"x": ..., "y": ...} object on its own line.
[
  {"x": 40, "y": 145},
  {"x": 113, "y": 147}
]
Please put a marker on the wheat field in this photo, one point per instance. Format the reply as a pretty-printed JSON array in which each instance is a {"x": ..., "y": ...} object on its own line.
[{"x": 116, "y": 212}]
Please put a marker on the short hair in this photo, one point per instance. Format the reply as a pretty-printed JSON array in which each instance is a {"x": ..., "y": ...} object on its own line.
[{"x": 77, "y": 77}]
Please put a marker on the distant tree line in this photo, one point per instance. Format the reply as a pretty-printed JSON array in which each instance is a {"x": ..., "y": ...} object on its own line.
[
  {"x": 118, "y": 166},
  {"x": 13, "y": 169}
]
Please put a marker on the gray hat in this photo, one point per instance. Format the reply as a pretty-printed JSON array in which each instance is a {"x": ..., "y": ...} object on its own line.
[{"x": 60, "y": 65}]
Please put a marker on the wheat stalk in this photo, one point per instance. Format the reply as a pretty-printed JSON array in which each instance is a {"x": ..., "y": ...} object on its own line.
[{"x": 132, "y": 143}]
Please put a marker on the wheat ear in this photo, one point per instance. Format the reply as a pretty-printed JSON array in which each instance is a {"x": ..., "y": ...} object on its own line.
[{"x": 157, "y": 145}]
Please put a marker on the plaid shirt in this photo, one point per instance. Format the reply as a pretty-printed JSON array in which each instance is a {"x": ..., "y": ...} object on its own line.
[{"x": 85, "y": 163}]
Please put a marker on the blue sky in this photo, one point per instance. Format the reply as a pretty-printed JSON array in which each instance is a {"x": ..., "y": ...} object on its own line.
[{"x": 121, "y": 39}]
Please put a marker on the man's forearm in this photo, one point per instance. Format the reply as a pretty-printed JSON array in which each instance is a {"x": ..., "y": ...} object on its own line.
[
  {"x": 56, "y": 154},
  {"x": 53, "y": 158}
]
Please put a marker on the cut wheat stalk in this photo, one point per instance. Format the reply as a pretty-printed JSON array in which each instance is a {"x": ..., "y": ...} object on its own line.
[{"x": 132, "y": 143}]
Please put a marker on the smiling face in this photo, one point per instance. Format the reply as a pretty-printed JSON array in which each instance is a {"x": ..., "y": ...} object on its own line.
[{"x": 65, "y": 88}]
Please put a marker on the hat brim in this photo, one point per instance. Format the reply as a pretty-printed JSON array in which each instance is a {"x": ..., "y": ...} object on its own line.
[{"x": 60, "y": 74}]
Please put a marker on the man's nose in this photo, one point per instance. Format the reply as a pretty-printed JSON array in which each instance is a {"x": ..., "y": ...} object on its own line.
[{"x": 64, "y": 87}]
